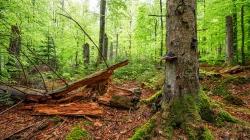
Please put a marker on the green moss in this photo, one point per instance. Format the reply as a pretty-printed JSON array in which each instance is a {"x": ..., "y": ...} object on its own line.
[
  {"x": 183, "y": 113},
  {"x": 78, "y": 133},
  {"x": 152, "y": 99},
  {"x": 221, "y": 90},
  {"x": 211, "y": 112},
  {"x": 206, "y": 135},
  {"x": 144, "y": 132}
]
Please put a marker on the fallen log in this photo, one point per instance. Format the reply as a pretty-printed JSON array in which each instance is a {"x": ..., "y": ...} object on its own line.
[
  {"x": 235, "y": 69},
  {"x": 22, "y": 93},
  {"x": 71, "y": 109},
  {"x": 95, "y": 78}
]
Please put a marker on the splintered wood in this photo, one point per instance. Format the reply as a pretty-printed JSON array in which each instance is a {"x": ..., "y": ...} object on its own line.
[{"x": 71, "y": 109}]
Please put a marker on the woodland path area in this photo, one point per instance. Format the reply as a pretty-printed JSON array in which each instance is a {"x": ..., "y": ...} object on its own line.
[{"x": 120, "y": 124}]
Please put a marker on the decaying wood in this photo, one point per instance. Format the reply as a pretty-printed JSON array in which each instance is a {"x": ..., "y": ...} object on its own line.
[
  {"x": 236, "y": 69},
  {"x": 99, "y": 79},
  {"x": 22, "y": 93},
  {"x": 71, "y": 109},
  {"x": 119, "y": 97},
  {"x": 95, "y": 78}
]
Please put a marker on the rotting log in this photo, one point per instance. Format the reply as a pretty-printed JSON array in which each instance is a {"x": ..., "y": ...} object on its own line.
[
  {"x": 95, "y": 78},
  {"x": 22, "y": 93},
  {"x": 71, "y": 109}
]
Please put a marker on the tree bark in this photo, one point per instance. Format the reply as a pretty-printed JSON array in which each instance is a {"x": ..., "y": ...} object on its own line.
[
  {"x": 102, "y": 29},
  {"x": 181, "y": 85},
  {"x": 242, "y": 36},
  {"x": 230, "y": 34},
  {"x": 182, "y": 73},
  {"x": 86, "y": 53}
]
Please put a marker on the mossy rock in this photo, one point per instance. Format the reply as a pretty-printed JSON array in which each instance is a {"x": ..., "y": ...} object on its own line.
[{"x": 77, "y": 133}]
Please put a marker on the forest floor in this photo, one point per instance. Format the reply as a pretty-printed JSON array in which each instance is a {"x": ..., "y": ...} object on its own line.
[{"x": 119, "y": 124}]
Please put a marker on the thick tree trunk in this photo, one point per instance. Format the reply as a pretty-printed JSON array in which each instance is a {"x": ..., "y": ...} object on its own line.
[
  {"x": 86, "y": 53},
  {"x": 102, "y": 28},
  {"x": 181, "y": 86},
  {"x": 230, "y": 34},
  {"x": 242, "y": 36},
  {"x": 182, "y": 61}
]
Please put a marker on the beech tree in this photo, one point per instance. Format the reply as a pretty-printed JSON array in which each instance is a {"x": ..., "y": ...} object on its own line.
[{"x": 181, "y": 86}]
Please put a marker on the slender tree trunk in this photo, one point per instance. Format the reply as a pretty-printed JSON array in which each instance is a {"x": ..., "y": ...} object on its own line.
[
  {"x": 111, "y": 53},
  {"x": 76, "y": 60},
  {"x": 105, "y": 47},
  {"x": 117, "y": 45},
  {"x": 235, "y": 32},
  {"x": 181, "y": 86},
  {"x": 86, "y": 53},
  {"x": 242, "y": 36},
  {"x": 102, "y": 28},
  {"x": 156, "y": 24},
  {"x": 230, "y": 34},
  {"x": 162, "y": 28},
  {"x": 248, "y": 36}
]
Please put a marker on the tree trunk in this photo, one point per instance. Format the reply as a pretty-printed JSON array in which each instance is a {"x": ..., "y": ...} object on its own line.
[
  {"x": 235, "y": 32},
  {"x": 105, "y": 47},
  {"x": 181, "y": 86},
  {"x": 102, "y": 29},
  {"x": 14, "y": 51},
  {"x": 117, "y": 45},
  {"x": 230, "y": 34},
  {"x": 162, "y": 28},
  {"x": 15, "y": 41},
  {"x": 86, "y": 53},
  {"x": 111, "y": 53},
  {"x": 242, "y": 36}
]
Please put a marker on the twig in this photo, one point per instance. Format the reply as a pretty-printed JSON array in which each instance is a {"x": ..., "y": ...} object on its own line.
[
  {"x": 78, "y": 24},
  {"x": 11, "y": 107}
]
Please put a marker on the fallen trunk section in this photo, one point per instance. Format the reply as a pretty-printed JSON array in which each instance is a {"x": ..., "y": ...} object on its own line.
[{"x": 71, "y": 109}]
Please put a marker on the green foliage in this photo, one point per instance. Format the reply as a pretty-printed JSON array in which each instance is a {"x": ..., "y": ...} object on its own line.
[
  {"x": 78, "y": 133},
  {"x": 144, "y": 132},
  {"x": 5, "y": 99}
]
